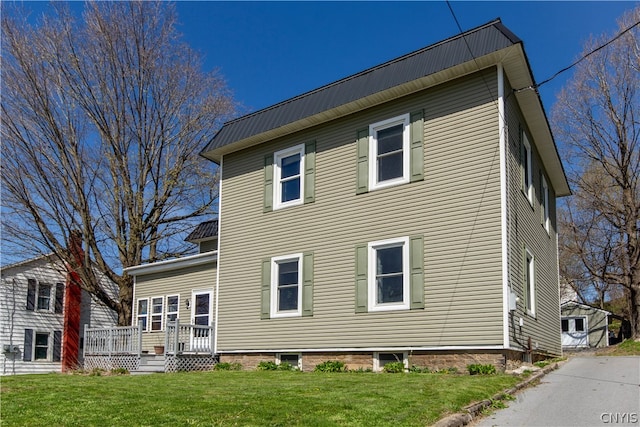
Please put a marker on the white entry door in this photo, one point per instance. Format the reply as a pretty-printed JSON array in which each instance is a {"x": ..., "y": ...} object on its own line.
[
  {"x": 201, "y": 314},
  {"x": 574, "y": 332}
]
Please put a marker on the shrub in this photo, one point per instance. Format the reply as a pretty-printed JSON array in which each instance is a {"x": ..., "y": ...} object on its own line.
[
  {"x": 227, "y": 366},
  {"x": 393, "y": 367},
  {"x": 419, "y": 370},
  {"x": 285, "y": 366},
  {"x": 119, "y": 371},
  {"x": 267, "y": 366},
  {"x": 478, "y": 369},
  {"x": 331, "y": 366}
]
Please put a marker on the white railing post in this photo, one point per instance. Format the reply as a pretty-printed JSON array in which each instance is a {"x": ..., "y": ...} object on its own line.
[
  {"x": 86, "y": 340},
  {"x": 176, "y": 337},
  {"x": 139, "y": 337}
]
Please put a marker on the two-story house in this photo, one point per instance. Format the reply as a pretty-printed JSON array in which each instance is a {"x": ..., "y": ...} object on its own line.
[
  {"x": 405, "y": 212},
  {"x": 35, "y": 308}
]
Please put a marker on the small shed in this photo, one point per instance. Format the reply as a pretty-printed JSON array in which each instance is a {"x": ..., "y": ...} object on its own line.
[{"x": 583, "y": 326}]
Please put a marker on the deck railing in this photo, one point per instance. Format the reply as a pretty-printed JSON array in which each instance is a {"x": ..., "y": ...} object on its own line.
[
  {"x": 181, "y": 338},
  {"x": 113, "y": 340}
]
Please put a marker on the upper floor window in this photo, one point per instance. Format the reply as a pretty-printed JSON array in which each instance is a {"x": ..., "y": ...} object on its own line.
[
  {"x": 527, "y": 174},
  {"x": 44, "y": 296},
  {"x": 389, "y": 144},
  {"x": 288, "y": 177},
  {"x": 545, "y": 204}
]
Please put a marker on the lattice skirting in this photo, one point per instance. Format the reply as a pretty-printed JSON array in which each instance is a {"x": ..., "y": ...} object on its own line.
[
  {"x": 189, "y": 362},
  {"x": 131, "y": 362}
]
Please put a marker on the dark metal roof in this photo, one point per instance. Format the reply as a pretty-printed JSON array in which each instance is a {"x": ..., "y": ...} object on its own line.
[
  {"x": 204, "y": 231},
  {"x": 480, "y": 41}
]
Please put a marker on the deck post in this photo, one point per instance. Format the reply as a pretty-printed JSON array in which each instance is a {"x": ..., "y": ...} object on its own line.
[
  {"x": 176, "y": 338},
  {"x": 86, "y": 340},
  {"x": 139, "y": 338}
]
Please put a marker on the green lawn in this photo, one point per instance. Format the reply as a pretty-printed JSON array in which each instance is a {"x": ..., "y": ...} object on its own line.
[{"x": 227, "y": 398}]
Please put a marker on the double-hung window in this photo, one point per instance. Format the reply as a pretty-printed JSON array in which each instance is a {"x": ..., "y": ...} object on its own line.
[
  {"x": 289, "y": 177},
  {"x": 389, "y": 275},
  {"x": 527, "y": 173},
  {"x": 44, "y": 297},
  {"x": 286, "y": 286},
  {"x": 173, "y": 304},
  {"x": 389, "y": 143},
  {"x": 157, "y": 305},
  {"x": 41, "y": 347},
  {"x": 545, "y": 204},
  {"x": 530, "y": 285},
  {"x": 143, "y": 312}
]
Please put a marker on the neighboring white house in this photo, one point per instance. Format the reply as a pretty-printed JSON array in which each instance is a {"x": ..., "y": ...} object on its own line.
[{"x": 32, "y": 312}]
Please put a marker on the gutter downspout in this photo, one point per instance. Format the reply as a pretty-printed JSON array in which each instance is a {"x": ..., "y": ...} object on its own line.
[{"x": 504, "y": 208}]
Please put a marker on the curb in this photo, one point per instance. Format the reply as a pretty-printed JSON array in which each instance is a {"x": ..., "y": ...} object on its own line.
[{"x": 471, "y": 412}]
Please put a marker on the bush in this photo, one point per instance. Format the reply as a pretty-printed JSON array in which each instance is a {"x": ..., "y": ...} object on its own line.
[
  {"x": 393, "y": 367},
  {"x": 331, "y": 366},
  {"x": 227, "y": 366},
  {"x": 285, "y": 366},
  {"x": 119, "y": 371},
  {"x": 478, "y": 369},
  {"x": 419, "y": 370},
  {"x": 267, "y": 366}
]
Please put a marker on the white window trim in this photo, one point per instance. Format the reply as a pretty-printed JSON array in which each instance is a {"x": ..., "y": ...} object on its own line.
[
  {"x": 279, "y": 359},
  {"x": 137, "y": 320},
  {"x": 52, "y": 297},
  {"x": 528, "y": 179},
  {"x": 372, "y": 288},
  {"x": 274, "y": 286},
  {"x": 34, "y": 346},
  {"x": 376, "y": 359},
  {"x": 277, "y": 178},
  {"x": 167, "y": 312},
  {"x": 152, "y": 314},
  {"x": 531, "y": 292},
  {"x": 196, "y": 292},
  {"x": 545, "y": 205},
  {"x": 373, "y": 150}
]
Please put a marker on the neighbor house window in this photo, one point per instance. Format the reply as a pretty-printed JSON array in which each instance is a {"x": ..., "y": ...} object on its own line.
[
  {"x": 381, "y": 359},
  {"x": 389, "y": 144},
  {"x": 527, "y": 174},
  {"x": 288, "y": 177},
  {"x": 579, "y": 324},
  {"x": 545, "y": 203},
  {"x": 389, "y": 274},
  {"x": 157, "y": 304},
  {"x": 286, "y": 286},
  {"x": 143, "y": 312},
  {"x": 173, "y": 304},
  {"x": 530, "y": 286},
  {"x": 41, "y": 347},
  {"x": 44, "y": 296}
]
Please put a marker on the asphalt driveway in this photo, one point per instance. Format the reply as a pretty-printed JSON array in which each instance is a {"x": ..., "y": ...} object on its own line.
[{"x": 585, "y": 391}]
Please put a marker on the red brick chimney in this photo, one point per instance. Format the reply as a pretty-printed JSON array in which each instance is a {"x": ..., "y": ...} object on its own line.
[{"x": 72, "y": 304}]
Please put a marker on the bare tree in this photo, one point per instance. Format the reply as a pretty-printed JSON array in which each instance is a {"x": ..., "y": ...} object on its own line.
[
  {"x": 102, "y": 121},
  {"x": 598, "y": 117}
]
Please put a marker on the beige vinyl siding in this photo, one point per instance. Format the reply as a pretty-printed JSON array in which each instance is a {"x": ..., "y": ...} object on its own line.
[
  {"x": 526, "y": 229},
  {"x": 456, "y": 208},
  {"x": 181, "y": 281}
]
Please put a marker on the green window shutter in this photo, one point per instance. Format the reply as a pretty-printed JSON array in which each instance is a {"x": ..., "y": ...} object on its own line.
[
  {"x": 361, "y": 279},
  {"x": 417, "y": 146},
  {"x": 310, "y": 172},
  {"x": 265, "y": 307},
  {"x": 362, "y": 171},
  {"x": 416, "y": 262},
  {"x": 268, "y": 183},
  {"x": 307, "y": 284}
]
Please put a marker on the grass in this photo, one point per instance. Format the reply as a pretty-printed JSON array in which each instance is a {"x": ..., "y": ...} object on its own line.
[
  {"x": 625, "y": 348},
  {"x": 232, "y": 398}
]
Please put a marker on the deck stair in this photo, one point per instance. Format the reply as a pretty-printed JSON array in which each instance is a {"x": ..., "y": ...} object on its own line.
[{"x": 149, "y": 364}]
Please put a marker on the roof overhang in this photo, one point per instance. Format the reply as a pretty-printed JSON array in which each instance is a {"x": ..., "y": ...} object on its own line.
[
  {"x": 173, "y": 264},
  {"x": 586, "y": 307}
]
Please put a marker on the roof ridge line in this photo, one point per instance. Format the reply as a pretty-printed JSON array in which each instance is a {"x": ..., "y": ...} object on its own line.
[{"x": 369, "y": 70}]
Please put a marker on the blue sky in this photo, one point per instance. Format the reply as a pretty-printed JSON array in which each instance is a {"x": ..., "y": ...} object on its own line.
[{"x": 271, "y": 51}]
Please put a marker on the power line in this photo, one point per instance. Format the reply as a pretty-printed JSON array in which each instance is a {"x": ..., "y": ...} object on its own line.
[{"x": 536, "y": 86}]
